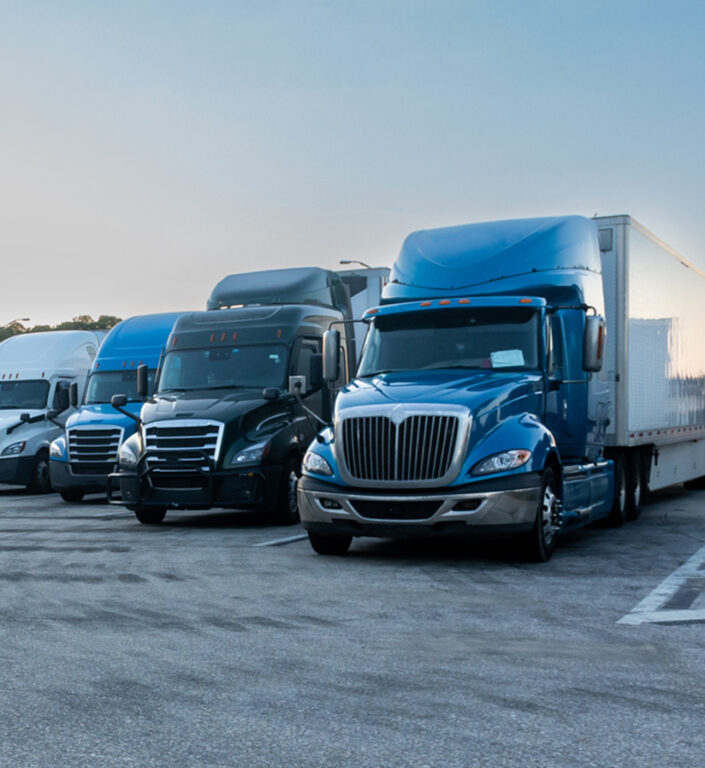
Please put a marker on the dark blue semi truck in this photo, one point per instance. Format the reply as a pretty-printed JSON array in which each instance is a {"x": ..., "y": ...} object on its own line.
[{"x": 492, "y": 399}]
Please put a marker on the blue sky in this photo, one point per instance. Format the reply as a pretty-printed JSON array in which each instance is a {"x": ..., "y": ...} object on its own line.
[{"x": 149, "y": 148}]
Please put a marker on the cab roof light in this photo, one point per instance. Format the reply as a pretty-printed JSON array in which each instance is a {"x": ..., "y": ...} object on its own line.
[
  {"x": 372, "y": 311},
  {"x": 525, "y": 301},
  {"x": 444, "y": 301},
  {"x": 279, "y": 333},
  {"x": 425, "y": 304},
  {"x": 234, "y": 335},
  {"x": 212, "y": 339},
  {"x": 223, "y": 336},
  {"x": 124, "y": 363},
  {"x": 173, "y": 343},
  {"x": 463, "y": 301}
]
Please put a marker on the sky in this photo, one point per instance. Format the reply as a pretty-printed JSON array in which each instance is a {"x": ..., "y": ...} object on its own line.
[{"x": 149, "y": 148}]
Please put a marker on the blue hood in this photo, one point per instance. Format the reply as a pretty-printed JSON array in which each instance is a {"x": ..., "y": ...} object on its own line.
[
  {"x": 481, "y": 391},
  {"x": 104, "y": 413}
]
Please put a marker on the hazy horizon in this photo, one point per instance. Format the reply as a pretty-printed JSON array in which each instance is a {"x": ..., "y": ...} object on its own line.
[{"x": 149, "y": 150}]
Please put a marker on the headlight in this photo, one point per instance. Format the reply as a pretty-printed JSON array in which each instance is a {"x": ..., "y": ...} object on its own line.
[
  {"x": 55, "y": 450},
  {"x": 14, "y": 449},
  {"x": 316, "y": 464},
  {"x": 501, "y": 462},
  {"x": 252, "y": 455},
  {"x": 129, "y": 453}
]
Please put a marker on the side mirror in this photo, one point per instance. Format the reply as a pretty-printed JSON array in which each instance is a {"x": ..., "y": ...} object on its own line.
[
  {"x": 62, "y": 399},
  {"x": 331, "y": 355},
  {"x": 270, "y": 393},
  {"x": 315, "y": 373},
  {"x": 142, "y": 380},
  {"x": 593, "y": 343},
  {"x": 118, "y": 401},
  {"x": 73, "y": 394}
]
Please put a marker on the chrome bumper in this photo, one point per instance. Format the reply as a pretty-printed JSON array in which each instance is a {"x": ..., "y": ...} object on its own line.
[{"x": 512, "y": 509}]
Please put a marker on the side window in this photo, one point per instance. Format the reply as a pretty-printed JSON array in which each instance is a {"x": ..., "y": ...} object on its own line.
[
  {"x": 60, "y": 385},
  {"x": 555, "y": 346},
  {"x": 304, "y": 350}
]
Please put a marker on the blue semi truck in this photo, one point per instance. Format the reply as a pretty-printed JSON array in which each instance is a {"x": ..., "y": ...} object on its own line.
[
  {"x": 519, "y": 378},
  {"x": 82, "y": 458}
]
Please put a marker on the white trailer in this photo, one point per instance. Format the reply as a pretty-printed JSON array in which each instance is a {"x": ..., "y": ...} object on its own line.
[
  {"x": 36, "y": 372},
  {"x": 654, "y": 368}
]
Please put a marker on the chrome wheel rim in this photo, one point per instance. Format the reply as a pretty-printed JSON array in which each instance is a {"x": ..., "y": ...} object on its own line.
[{"x": 548, "y": 506}]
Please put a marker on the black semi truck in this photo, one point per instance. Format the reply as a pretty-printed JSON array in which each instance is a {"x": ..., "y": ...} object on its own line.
[{"x": 240, "y": 394}]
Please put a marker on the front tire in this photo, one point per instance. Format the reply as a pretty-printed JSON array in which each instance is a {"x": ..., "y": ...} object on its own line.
[
  {"x": 41, "y": 480},
  {"x": 540, "y": 543},
  {"x": 286, "y": 511},
  {"x": 72, "y": 495},
  {"x": 150, "y": 515},
  {"x": 329, "y": 545}
]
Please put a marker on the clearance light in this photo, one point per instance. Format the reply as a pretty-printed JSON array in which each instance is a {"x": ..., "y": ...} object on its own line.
[
  {"x": 425, "y": 304},
  {"x": 212, "y": 337},
  {"x": 173, "y": 343},
  {"x": 372, "y": 311},
  {"x": 124, "y": 363},
  {"x": 463, "y": 301},
  {"x": 525, "y": 301},
  {"x": 222, "y": 336},
  {"x": 279, "y": 333},
  {"x": 234, "y": 335},
  {"x": 444, "y": 301}
]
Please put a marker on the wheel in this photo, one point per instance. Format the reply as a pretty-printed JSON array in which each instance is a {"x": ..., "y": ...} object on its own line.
[
  {"x": 41, "y": 480},
  {"x": 635, "y": 495},
  {"x": 286, "y": 511},
  {"x": 540, "y": 542},
  {"x": 618, "y": 514},
  {"x": 698, "y": 484},
  {"x": 150, "y": 515},
  {"x": 329, "y": 545},
  {"x": 72, "y": 495}
]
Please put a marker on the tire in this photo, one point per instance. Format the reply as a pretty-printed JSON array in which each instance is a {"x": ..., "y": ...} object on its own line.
[
  {"x": 72, "y": 495},
  {"x": 286, "y": 511},
  {"x": 635, "y": 495},
  {"x": 41, "y": 479},
  {"x": 540, "y": 543},
  {"x": 698, "y": 484},
  {"x": 329, "y": 545},
  {"x": 620, "y": 501},
  {"x": 150, "y": 515}
]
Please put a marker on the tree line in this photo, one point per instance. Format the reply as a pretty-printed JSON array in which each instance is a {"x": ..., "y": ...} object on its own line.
[{"x": 78, "y": 323}]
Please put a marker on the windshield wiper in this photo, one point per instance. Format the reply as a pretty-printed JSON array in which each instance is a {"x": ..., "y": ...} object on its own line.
[{"x": 379, "y": 373}]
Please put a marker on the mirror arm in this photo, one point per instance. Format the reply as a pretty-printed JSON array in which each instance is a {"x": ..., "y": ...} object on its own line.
[{"x": 125, "y": 412}]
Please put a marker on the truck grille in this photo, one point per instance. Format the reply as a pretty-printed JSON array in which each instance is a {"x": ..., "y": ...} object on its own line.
[
  {"x": 97, "y": 446},
  {"x": 418, "y": 448},
  {"x": 184, "y": 445}
]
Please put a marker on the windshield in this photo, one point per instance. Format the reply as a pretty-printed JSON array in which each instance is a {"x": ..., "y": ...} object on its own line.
[
  {"x": 23, "y": 394},
  {"x": 102, "y": 385},
  {"x": 224, "y": 368},
  {"x": 485, "y": 338}
]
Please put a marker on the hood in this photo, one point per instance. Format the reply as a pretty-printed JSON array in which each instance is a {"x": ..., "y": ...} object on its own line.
[
  {"x": 8, "y": 418},
  {"x": 202, "y": 405},
  {"x": 101, "y": 413},
  {"x": 480, "y": 391}
]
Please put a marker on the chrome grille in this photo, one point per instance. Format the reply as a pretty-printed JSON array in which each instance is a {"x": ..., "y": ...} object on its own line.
[
  {"x": 94, "y": 444},
  {"x": 411, "y": 449},
  {"x": 192, "y": 444}
]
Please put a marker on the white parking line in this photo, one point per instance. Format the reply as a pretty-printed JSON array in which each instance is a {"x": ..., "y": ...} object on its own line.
[
  {"x": 689, "y": 581},
  {"x": 279, "y": 542}
]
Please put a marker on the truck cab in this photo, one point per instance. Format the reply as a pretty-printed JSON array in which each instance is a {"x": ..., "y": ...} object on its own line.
[
  {"x": 82, "y": 458},
  {"x": 238, "y": 398},
  {"x": 37, "y": 373},
  {"x": 474, "y": 409}
]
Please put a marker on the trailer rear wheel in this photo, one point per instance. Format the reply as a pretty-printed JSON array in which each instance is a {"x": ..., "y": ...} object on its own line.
[
  {"x": 618, "y": 514},
  {"x": 150, "y": 515},
  {"x": 636, "y": 486},
  {"x": 539, "y": 544},
  {"x": 329, "y": 545},
  {"x": 698, "y": 484}
]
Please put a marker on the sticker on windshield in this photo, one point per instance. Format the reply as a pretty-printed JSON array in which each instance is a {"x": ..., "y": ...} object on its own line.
[{"x": 507, "y": 358}]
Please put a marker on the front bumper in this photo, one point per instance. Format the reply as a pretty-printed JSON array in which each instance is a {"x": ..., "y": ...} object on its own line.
[
  {"x": 256, "y": 488},
  {"x": 16, "y": 470},
  {"x": 63, "y": 478},
  {"x": 487, "y": 508}
]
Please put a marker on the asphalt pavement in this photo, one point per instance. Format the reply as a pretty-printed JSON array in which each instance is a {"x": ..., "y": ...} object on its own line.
[{"x": 214, "y": 640}]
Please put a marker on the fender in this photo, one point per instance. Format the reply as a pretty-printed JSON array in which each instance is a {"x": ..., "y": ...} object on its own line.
[{"x": 523, "y": 431}]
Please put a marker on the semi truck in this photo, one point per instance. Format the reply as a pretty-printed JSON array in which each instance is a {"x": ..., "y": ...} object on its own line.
[
  {"x": 239, "y": 396},
  {"x": 86, "y": 453},
  {"x": 519, "y": 378},
  {"x": 37, "y": 373}
]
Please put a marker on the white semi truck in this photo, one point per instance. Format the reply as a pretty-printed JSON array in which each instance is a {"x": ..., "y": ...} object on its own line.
[{"x": 37, "y": 371}]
